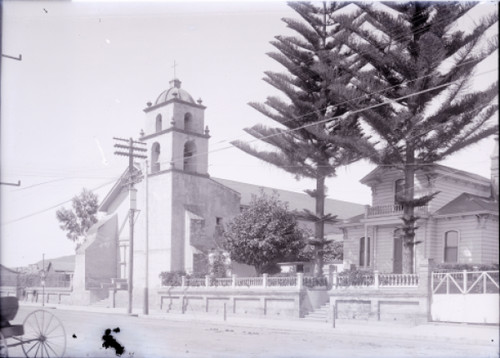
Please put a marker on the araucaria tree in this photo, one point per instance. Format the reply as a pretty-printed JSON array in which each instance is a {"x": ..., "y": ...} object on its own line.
[
  {"x": 264, "y": 234},
  {"x": 309, "y": 114},
  {"x": 80, "y": 218},
  {"x": 416, "y": 98}
]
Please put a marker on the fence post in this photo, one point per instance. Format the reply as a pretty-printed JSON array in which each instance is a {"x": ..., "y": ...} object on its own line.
[
  {"x": 376, "y": 279},
  {"x": 334, "y": 313},
  {"x": 264, "y": 280},
  {"x": 207, "y": 280},
  {"x": 300, "y": 280},
  {"x": 425, "y": 283},
  {"x": 464, "y": 272},
  {"x": 335, "y": 279},
  {"x": 225, "y": 311},
  {"x": 233, "y": 283},
  {"x": 183, "y": 281}
]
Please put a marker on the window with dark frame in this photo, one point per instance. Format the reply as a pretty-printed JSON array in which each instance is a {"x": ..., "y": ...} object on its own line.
[
  {"x": 451, "y": 246},
  {"x": 399, "y": 191},
  {"x": 364, "y": 245},
  {"x": 158, "y": 123}
]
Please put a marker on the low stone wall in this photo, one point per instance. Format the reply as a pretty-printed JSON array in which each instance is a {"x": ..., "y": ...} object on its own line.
[
  {"x": 406, "y": 305},
  {"x": 276, "y": 303},
  {"x": 396, "y": 298},
  {"x": 52, "y": 295},
  {"x": 9, "y": 291}
]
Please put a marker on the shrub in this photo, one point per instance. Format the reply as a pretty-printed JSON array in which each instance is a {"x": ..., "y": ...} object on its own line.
[
  {"x": 357, "y": 277},
  {"x": 171, "y": 278},
  {"x": 444, "y": 267}
]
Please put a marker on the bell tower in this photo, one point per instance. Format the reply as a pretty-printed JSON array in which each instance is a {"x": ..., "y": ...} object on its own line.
[{"x": 175, "y": 133}]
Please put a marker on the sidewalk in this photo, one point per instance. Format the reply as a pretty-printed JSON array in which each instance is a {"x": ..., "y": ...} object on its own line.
[{"x": 485, "y": 335}]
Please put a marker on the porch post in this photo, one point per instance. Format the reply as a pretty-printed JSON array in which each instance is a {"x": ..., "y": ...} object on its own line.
[
  {"x": 365, "y": 251},
  {"x": 300, "y": 280},
  {"x": 424, "y": 283}
]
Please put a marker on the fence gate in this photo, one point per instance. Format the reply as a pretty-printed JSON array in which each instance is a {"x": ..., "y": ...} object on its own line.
[{"x": 470, "y": 297}]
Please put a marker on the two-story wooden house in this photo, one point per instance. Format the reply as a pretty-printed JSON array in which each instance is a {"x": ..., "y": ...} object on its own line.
[{"x": 460, "y": 225}]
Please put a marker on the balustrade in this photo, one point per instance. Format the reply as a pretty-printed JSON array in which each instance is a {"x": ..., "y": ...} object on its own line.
[{"x": 391, "y": 209}]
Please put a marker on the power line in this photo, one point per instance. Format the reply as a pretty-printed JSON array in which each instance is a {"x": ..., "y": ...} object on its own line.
[
  {"x": 53, "y": 206},
  {"x": 327, "y": 119}
]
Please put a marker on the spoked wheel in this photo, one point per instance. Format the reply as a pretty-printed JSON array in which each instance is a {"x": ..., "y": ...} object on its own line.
[
  {"x": 44, "y": 335},
  {"x": 3, "y": 347}
]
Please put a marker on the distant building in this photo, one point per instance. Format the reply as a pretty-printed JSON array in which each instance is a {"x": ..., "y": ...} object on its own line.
[
  {"x": 181, "y": 208},
  {"x": 460, "y": 225}
]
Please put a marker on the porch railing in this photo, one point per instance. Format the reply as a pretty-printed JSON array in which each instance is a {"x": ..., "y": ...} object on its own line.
[
  {"x": 465, "y": 282},
  {"x": 391, "y": 209},
  {"x": 297, "y": 281},
  {"x": 374, "y": 280}
]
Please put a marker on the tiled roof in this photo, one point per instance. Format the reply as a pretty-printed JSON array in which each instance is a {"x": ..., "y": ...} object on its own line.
[
  {"x": 296, "y": 201},
  {"x": 468, "y": 203}
]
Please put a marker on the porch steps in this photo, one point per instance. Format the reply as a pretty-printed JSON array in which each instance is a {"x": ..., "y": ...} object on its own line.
[{"x": 319, "y": 314}]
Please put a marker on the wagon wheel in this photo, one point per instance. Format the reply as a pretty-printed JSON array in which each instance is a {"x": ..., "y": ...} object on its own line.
[
  {"x": 3, "y": 347},
  {"x": 44, "y": 335}
]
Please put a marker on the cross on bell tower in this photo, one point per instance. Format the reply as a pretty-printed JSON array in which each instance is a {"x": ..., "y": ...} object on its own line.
[{"x": 175, "y": 67}]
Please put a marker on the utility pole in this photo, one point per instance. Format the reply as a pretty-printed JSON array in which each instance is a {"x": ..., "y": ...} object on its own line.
[
  {"x": 145, "y": 308},
  {"x": 42, "y": 274},
  {"x": 18, "y": 58},
  {"x": 131, "y": 152},
  {"x": 13, "y": 184}
]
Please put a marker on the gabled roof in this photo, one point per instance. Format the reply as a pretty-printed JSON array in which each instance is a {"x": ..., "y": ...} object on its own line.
[
  {"x": 59, "y": 264},
  {"x": 296, "y": 201},
  {"x": 468, "y": 203},
  {"x": 117, "y": 188},
  {"x": 438, "y": 168},
  {"x": 355, "y": 219}
]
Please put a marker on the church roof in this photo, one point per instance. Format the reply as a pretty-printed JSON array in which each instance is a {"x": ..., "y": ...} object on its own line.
[
  {"x": 174, "y": 92},
  {"x": 296, "y": 201},
  {"x": 468, "y": 203}
]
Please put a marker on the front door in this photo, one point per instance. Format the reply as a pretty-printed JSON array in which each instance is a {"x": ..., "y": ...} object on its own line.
[{"x": 398, "y": 255}]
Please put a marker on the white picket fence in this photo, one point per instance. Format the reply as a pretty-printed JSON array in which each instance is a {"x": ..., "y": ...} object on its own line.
[{"x": 465, "y": 282}]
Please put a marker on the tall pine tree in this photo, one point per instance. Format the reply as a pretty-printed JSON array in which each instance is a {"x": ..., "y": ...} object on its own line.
[
  {"x": 417, "y": 101},
  {"x": 304, "y": 143}
]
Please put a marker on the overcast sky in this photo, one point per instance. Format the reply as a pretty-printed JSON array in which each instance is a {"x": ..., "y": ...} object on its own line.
[{"x": 87, "y": 72}]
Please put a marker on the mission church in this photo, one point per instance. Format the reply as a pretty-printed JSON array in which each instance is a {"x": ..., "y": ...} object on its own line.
[{"x": 180, "y": 207}]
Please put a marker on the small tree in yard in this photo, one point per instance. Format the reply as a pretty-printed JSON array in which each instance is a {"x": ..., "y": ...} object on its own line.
[
  {"x": 264, "y": 234},
  {"x": 80, "y": 218}
]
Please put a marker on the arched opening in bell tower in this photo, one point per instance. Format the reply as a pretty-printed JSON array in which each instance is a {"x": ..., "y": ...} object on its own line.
[
  {"x": 158, "y": 123},
  {"x": 155, "y": 158},
  {"x": 189, "y": 156},
  {"x": 188, "y": 122}
]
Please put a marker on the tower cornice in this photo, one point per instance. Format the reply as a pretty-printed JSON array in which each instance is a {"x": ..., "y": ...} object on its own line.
[
  {"x": 175, "y": 100},
  {"x": 173, "y": 129}
]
